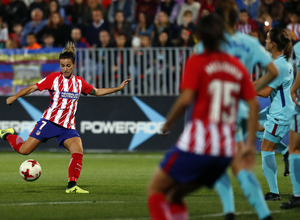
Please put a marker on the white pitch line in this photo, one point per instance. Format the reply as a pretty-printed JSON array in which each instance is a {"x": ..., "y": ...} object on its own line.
[{"x": 58, "y": 203}]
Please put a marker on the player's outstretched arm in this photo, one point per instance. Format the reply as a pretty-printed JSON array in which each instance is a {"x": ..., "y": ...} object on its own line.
[
  {"x": 271, "y": 74},
  {"x": 106, "y": 91},
  {"x": 26, "y": 91},
  {"x": 183, "y": 101}
]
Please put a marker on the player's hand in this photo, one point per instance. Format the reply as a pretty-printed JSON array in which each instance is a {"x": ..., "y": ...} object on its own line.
[
  {"x": 124, "y": 83},
  {"x": 10, "y": 100},
  {"x": 249, "y": 157},
  {"x": 166, "y": 128},
  {"x": 295, "y": 97}
]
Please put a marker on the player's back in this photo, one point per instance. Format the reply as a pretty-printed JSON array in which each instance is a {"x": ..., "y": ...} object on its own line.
[
  {"x": 219, "y": 82},
  {"x": 218, "y": 79},
  {"x": 246, "y": 48}
]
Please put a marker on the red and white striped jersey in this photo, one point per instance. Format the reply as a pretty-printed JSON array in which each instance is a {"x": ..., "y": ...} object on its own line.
[
  {"x": 295, "y": 31},
  {"x": 64, "y": 94},
  {"x": 219, "y": 82}
]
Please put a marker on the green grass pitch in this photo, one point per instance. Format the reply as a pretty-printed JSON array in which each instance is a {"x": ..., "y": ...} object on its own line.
[{"x": 117, "y": 184}]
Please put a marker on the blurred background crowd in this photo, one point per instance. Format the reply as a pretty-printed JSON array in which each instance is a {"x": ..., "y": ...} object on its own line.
[{"x": 36, "y": 24}]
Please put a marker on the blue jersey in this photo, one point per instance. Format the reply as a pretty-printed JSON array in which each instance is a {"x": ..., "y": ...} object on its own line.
[
  {"x": 282, "y": 106},
  {"x": 297, "y": 54},
  {"x": 246, "y": 48}
]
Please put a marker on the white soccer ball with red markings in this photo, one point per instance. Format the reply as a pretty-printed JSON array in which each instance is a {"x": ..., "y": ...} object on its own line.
[{"x": 30, "y": 170}]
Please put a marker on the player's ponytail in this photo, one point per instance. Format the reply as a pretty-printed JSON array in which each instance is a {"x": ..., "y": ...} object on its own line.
[
  {"x": 68, "y": 52},
  {"x": 283, "y": 43}
]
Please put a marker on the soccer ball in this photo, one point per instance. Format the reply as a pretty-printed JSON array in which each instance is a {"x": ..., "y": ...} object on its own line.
[{"x": 30, "y": 170}]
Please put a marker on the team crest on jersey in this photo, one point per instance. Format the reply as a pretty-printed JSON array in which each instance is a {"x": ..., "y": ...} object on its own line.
[{"x": 69, "y": 95}]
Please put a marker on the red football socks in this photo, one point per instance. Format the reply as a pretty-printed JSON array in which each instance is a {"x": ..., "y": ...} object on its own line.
[
  {"x": 75, "y": 167},
  {"x": 15, "y": 141},
  {"x": 179, "y": 211},
  {"x": 159, "y": 207}
]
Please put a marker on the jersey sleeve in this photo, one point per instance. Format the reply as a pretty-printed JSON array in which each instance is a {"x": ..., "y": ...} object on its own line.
[
  {"x": 46, "y": 83},
  {"x": 279, "y": 79},
  {"x": 190, "y": 75},
  {"x": 86, "y": 88}
]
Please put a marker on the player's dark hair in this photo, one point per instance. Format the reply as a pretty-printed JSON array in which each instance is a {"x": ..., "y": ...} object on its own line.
[
  {"x": 68, "y": 52},
  {"x": 280, "y": 37},
  {"x": 228, "y": 11},
  {"x": 211, "y": 31}
]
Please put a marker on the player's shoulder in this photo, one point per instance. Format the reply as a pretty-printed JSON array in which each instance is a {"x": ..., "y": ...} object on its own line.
[{"x": 246, "y": 37}]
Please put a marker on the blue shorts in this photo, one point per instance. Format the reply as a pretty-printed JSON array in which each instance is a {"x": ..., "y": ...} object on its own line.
[
  {"x": 45, "y": 130},
  {"x": 185, "y": 167},
  {"x": 274, "y": 132}
]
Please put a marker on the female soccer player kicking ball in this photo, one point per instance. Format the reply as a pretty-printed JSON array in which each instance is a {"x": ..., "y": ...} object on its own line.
[
  {"x": 214, "y": 82},
  {"x": 59, "y": 119},
  {"x": 281, "y": 109}
]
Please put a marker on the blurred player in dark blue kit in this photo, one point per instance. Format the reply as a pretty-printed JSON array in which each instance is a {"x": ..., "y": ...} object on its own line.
[{"x": 214, "y": 82}]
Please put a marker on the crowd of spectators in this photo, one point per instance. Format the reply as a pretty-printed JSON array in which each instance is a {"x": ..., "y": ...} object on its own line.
[{"x": 37, "y": 24}]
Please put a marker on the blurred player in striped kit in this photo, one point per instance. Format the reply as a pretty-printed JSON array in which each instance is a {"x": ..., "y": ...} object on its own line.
[
  {"x": 59, "y": 119},
  {"x": 250, "y": 52},
  {"x": 214, "y": 82}
]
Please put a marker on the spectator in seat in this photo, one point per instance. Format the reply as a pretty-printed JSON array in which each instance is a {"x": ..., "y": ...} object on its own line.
[
  {"x": 41, "y": 4},
  {"x": 190, "y": 5},
  {"x": 78, "y": 40},
  {"x": 88, "y": 12},
  {"x": 16, "y": 33},
  {"x": 58, "y": 28},
  {"x": 35, "y": 25},
  {"x": 3, "y": 33},
  {"x": 120, "y": 25},
  {"x": 146, "y": 6},
  {"x": 32, "y": 43},
  {"x": 274, "y": 8},
  {"x": 186, "y": 38},
  {"x": 98, "y": 24},
  {"x": 143, "y": 25},
  {"x": 53, "y": 6},
  {"x": 247, "y": 25},
  {"x": 171, "y": 7},
  {"x": 11, "y": 44},
  {"x": 48, "y": 41},
  {"x": 162, "y": 24},
  {"x": 15, "y": 11},
  {"x": 126, "y": 6},
  {"x": 77, "y": 13},
  {"x": 294, "y": 25}
]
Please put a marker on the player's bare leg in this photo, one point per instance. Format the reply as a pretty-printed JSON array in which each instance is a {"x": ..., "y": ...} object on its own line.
[
  {"x": 160, "y": 185},
  {"x": 17, "y": 143},
  {"x": 74, "y": 145}
]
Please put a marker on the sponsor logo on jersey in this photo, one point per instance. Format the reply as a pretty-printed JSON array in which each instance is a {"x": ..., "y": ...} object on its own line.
[{"x": 69, "y": 95}]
